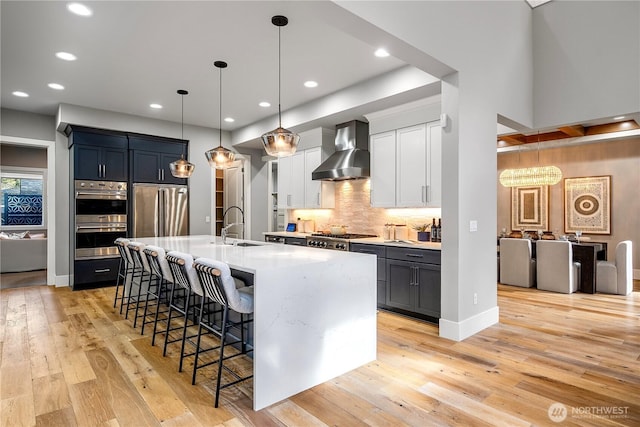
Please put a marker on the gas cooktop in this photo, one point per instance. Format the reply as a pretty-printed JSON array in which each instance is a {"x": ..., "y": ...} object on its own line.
[{"x": 345, "y": 236}]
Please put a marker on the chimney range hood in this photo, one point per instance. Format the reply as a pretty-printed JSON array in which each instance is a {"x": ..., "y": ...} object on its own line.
[{"x": 351, "y": 158}]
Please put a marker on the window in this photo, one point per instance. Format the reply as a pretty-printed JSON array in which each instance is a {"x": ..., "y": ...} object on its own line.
[{"x": 22, "y": 202}]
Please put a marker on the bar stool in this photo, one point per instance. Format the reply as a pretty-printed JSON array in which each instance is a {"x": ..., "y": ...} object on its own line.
[
  {"x": 219, "y": 285},
  {"x": 125, "y": 268},
  {"x": 161, "y": 279},
  {"x": 185, "y": 280},
  {"x": 141, "y": 273}
]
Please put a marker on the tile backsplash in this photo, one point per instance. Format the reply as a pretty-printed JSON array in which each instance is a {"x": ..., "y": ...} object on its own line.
[{"x": 353, "y": 209}]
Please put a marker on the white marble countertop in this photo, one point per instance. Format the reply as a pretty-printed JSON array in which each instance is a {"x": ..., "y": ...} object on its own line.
[
  {"x": 369, "y": 240},
  {"x": 264, "y": 256}
]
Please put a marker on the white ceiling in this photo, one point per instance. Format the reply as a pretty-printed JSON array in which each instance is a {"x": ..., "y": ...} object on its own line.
[{"x": 134, "y": 53}]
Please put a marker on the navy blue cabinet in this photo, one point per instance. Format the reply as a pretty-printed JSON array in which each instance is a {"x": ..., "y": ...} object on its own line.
[
  {"x": 150, "y": 159},
  {"x": 99, "y": 157}
]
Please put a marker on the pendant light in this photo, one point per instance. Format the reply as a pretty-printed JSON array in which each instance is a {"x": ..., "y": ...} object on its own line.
[
  {"x": 220, "y": 157},
  {"x": 280, "y": 142},
  {"x": 523, "y": 177},
  {"x": 181, "y": 168}
]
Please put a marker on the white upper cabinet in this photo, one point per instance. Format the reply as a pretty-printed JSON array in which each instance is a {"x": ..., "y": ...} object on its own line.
[
  {"x": 406, "y": 155},
  {"x": 382, "y": 148},
  {"x": 296, "y": 189},
  {"x": 406, "y": 167}
]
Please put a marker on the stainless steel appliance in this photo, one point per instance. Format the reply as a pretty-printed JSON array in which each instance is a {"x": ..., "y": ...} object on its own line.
[
  {"x": 160, "y": 210},
  {"x": 337, "y": 242},
  {"x": 273, "y": 239},
  {"x": 100, "y": 218},
  {"x": 351, "y": 157}
]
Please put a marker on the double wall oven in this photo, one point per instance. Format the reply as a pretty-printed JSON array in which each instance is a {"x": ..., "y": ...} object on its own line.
[{"x": 100, "y": 217}]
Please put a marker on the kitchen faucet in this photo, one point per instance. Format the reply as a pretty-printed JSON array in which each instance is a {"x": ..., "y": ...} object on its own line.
[{"x": 225, "y": 229}]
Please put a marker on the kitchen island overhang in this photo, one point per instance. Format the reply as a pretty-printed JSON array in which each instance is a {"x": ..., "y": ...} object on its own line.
[{"x": 314, "y": 311}]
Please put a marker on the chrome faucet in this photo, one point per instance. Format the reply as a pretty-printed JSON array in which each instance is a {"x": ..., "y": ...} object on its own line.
[{"x": 225, "y": 229}]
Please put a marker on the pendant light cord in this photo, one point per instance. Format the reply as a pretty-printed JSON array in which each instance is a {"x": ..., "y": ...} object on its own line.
[
  {"x": 220, "y": 109},
  {"x": 279, "y": 78}
]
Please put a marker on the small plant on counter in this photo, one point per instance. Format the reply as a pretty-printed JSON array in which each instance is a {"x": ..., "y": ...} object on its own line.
[{"x": 421, "y": 227}]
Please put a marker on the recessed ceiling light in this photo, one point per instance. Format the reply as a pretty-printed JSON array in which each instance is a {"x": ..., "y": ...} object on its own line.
[
  {"x": 310, "y": 83},
  {"x": 79, "y": 9},
  {"x": 66, "y": 56},
  {"x": 20, "y": 94},
  {"x": 155, "y": 106},
  {"x": 56, "y": 86},
  {"x": 264, "y": 104},
  {"x": 381, "y": 53},
  {"x": 618, "y": 118},
  {"x": 229, "y": 119}
]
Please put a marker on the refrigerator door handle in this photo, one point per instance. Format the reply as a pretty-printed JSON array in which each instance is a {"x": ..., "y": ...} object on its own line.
[{"x": 160, "y": 207}]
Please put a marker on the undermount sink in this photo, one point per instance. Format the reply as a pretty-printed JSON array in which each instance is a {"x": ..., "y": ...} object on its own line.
[{"x": 246, "y": 244}]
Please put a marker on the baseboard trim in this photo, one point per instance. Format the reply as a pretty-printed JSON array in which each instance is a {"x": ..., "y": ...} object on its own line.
[
  {"x": 62, "y": 281},
  {"x": 458, "y": 331}
]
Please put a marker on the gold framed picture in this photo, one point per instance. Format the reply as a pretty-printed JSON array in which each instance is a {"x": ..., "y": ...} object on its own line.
[
  {"x": 530, "y": 208},
  {"x": 587, "y": 205}
]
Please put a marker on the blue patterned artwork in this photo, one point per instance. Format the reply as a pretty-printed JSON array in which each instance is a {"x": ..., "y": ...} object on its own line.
[{"x": 22, "y": 210}]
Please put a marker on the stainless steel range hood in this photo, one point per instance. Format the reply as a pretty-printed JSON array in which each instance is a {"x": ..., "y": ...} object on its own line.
[{"x": 351, "y": 158}]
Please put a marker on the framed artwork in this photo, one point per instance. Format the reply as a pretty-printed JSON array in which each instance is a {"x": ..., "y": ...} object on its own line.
[
  {"x": 587, "y": 205},
  {"x": 530, "y": 208}
]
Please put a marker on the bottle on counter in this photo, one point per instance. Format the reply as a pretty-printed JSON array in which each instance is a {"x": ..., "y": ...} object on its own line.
[
  {"x": 439, "y": 229},
  {"x": 434, "y": 230}
]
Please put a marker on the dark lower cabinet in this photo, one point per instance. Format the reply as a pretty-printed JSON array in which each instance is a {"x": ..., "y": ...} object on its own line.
[
  {"x": 413, "y": 288},
  {"x": 380, "y": 252},
  {"x": 93, "y": 273},
  {"x": 297, "y": 241}
]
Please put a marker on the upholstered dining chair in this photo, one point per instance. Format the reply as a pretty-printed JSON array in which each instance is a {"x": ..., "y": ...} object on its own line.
[
  {"x": 517, "y": 267},
  {"x": 556, "y": 270},
  {"x": 616, "y": 277}
]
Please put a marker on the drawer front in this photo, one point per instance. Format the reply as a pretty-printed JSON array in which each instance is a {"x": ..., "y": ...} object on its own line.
[
  {"x": 378, "y": 250},
  {"x": 416, "y": 255},
  {"x": 96, "y": 271}
]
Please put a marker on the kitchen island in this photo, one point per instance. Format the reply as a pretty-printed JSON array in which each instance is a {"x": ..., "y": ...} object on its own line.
[{"x": 314, "y": 310}]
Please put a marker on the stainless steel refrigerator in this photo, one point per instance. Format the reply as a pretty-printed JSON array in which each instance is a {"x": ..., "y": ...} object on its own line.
[{"x": 160, "y": 210}]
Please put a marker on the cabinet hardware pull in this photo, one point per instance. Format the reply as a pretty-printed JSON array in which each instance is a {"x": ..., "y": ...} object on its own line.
[
  {"x": 426, "y": 193},
  {"x": 413, "y": 255},
  {"x": 417, "y": 273},
  {"x": 102, "y": 270}
]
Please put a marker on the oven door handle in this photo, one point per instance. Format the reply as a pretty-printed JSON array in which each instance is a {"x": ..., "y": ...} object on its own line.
[
  {"x": 100, "y": 228},
  {"x": 102, "y": 195}
]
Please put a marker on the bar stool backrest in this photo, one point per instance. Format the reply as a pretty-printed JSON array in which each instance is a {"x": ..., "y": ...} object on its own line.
[
  {"x": 156, "y": 257},
  {"x": 181, "y": 265},
  {"x": 226, "y": 284},
  {"x": 211, "y": 283},
  {"x": 139, "y": 260},
  {"x": 122, "y": 245}
]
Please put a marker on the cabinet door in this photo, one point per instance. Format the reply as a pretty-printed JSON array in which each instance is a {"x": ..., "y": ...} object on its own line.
[
  {"x": 115, "y": 164},
  {"x": 400, "y": 284},
  {"x": 284, "y": 182},
  {"x": 87, "y": 162},
  {"x": 382, "y": 147},
  {"x": 434, "y": 162},
  {"x": 312, "y": 188},
  {"x": 411, "y": 164},
  {"x": 297, "y": 181},
  {"x": 145, "y": 166},
  {"x": 428, "y": 290}
]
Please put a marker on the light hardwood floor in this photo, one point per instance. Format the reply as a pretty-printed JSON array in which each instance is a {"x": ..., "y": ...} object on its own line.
[{"x": 68, "y": 359}]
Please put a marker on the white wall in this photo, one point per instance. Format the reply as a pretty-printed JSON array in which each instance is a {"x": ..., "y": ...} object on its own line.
[{"x": 587, "y": 61}]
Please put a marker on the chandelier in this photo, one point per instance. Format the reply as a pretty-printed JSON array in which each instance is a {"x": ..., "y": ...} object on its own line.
[
  {"x": 220, "y": 157},
  {"x": 280, "y": 142},
  {"x": 538, "y": 175}
]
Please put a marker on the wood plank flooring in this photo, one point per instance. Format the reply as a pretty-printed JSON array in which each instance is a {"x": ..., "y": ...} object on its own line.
[{"x": 69, "y": 359}]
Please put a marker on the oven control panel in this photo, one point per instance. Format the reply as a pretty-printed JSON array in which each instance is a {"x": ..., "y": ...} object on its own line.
[{"x": 327, "y": 244}]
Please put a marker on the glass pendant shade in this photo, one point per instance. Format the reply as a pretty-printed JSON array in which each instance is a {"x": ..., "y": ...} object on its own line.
[
  {"x": 182, "y": 168},
  {"x": 280, "y": 142},
  {"x": 541, "y": 175},
  {"x": 220, "y": 157}
]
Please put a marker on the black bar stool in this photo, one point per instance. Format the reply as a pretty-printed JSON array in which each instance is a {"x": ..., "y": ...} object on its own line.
[
  {"x": 125, "y": 268},
  {"x": 158, "y": 290},
  {"x": 141, "y": 273}
]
